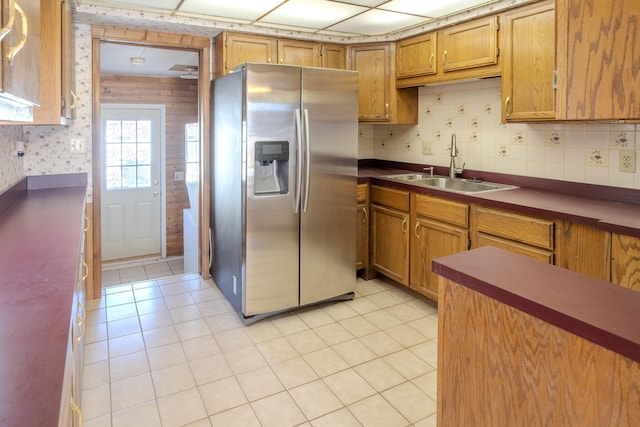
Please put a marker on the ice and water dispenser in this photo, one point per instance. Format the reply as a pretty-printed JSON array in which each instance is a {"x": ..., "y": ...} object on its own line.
[{"x": 271, "y": 168}]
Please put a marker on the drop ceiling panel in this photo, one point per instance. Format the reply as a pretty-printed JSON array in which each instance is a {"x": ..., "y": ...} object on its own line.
[
  {"x": 315, "y": 14},
  {"x": 248, "y": 10},
  {"x": 376, "y": 22},
  {"x": 433, "y": 9}
]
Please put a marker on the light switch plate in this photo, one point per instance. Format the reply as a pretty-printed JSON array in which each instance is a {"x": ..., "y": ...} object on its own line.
[
  {"x": 77, "y": 145},
  {"x": 426, "y": 148}
]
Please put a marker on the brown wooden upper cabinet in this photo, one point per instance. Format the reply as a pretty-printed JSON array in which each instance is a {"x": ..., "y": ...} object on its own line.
[
  {"x": 598, "y": 60},
  {"x": 58, "y": 100},
  {"x": 298, "y": 52},
  {"x": 464, "y": 51},
  {"x": 233, "y": 49},
  {"x": 528, "y": 63},
  {"x": 378, "y": 99},
  {"x": 20, "y": 62}
]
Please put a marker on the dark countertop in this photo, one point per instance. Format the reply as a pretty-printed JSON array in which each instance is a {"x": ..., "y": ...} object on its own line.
[
  {"x": 595, "y": 310},
  {"x": 606, "y": 214},
  {"x": 40, "y": 243}
]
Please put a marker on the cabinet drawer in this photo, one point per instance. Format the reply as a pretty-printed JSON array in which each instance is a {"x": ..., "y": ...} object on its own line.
[
  {"x": 390, "y": 197},
  {"x": 363, "y": 193},
  {"x": 445, "y": 210},
  {"x": 521, "y": 228},
  {"x": 535, "y": 253}
]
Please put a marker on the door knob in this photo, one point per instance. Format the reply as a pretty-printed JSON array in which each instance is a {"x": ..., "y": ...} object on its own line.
[{"x": 155, "y": 193}]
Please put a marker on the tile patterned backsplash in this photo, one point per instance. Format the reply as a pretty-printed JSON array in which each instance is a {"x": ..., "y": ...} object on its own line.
[{"x": 577, "y": 152}]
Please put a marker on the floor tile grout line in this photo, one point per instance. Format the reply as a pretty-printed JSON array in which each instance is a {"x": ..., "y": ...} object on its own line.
[{"x": 269, "y": 364}]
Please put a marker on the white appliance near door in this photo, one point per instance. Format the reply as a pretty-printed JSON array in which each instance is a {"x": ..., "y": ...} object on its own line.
[
  {"x": 132, "y": 141},
  {"x": 192, "y": 181},
  {"x": 284, "y": 186}
]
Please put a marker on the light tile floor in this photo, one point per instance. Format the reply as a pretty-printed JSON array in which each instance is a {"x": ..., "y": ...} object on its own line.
[
  {"x": 136, "y": 271},
  {"x": 171, "y": 352}
]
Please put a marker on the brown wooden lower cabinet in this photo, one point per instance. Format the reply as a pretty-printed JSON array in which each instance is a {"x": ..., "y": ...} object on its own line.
[
  {"x": 433, "y": 239},
  {"x": 438, "y": 228},
  {"x": 583, "y": 249},
  {"x": 625, "y": 261},
  {"x": 390, "y": 243},
  {"x": 404, "y": 231}
]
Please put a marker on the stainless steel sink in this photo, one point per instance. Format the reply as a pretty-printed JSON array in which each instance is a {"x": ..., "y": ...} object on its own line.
[
  {"x": 410, "y": 177},
  {"x": 457, "y": 185}
]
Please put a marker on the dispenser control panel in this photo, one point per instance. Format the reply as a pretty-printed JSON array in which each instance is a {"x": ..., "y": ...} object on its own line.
[{"x": 268, "y": 151}]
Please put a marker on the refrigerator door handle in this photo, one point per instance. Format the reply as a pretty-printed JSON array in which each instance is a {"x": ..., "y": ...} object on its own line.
[
  {"x": 298, "y": 186},
  {"x": 307, "y": 160}
]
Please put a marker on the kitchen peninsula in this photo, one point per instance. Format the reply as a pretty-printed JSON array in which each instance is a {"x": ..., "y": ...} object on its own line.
[{"x": 524, "y": 343}]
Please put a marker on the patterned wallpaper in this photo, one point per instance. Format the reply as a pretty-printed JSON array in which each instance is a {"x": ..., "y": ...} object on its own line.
[
  {"x": 577, "y": 152},
  {"x": 11, "y": 166},
  {"x": 47, "y": 147}
]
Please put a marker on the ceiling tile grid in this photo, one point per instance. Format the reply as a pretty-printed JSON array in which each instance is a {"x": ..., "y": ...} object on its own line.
[{"x": 346, "y": 18}]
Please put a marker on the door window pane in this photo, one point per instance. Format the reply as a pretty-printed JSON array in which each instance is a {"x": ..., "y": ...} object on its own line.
[
  {"x": 128, "y": 154},
  {"x": 129, "y": 177}
]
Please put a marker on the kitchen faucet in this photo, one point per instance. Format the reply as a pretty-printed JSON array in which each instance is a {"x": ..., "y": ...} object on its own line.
[{"x": 453, "y": 170}]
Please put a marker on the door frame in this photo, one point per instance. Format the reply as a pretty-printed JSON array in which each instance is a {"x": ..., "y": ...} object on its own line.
[
  {"x": 163, "y": 164},
  {"x": 201, "y": 45}
]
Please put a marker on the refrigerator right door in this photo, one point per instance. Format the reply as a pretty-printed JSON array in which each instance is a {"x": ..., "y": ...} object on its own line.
[{"x": 328, "y": 219}]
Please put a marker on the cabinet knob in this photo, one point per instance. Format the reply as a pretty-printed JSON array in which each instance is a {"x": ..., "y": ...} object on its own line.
[
  {"x": 506, "y": 106},
  {"x": 444, "y": 58},
  {"x": 415, "y": 230}
]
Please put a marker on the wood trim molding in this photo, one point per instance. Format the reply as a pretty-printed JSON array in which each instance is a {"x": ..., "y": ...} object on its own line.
[{"x": 202, "y": 46}]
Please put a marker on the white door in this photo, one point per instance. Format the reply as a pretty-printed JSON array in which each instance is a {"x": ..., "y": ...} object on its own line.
[{"x": 131, "y": 191}]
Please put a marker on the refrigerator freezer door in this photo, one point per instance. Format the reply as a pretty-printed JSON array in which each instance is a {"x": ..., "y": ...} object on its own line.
[
  {"x": 272, "y": 226},
  {"x": 328, "y": 226}
]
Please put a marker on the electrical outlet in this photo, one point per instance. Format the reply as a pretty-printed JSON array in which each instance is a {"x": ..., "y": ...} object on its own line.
[
  {"x": 178, "y": 176},
  {"x": 426, "y": 148},
  {"x": 627, "y": 161}
]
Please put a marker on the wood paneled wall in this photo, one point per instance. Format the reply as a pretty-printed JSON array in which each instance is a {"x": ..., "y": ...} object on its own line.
[
  {"x": 181, "y": 100},
  {"x": 499, "y": 366}
]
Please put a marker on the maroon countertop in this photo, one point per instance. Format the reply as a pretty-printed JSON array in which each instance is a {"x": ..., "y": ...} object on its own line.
[
  {"x": 605, "y": 213},
  {"x": 40, "y": 243},
  {"x": 595, "y": 310}
]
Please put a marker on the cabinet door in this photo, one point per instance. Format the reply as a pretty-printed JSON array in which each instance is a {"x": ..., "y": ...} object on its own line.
[
  {"x": 372, "y": 64},
  {"x": 583, "y": 249},
  {"x": 69, "y": 99},
  {"x": 625, "y": 261},
  {"x": 241, "y": 48},
  {"x": 362, "y": 239},
  {"x": 390, "y": 243},
  {"x": 470, "y": 45},
  {"x": 333, "y": 56},
  {"x": 416, "y": 56},
  {"x": 433, "y": 239},
  {"x": 528, "y": 64},
  {"x": 598, "y": 57},
  {"x": 20, "y": 70},
  {"x": 296, "y": 52}
]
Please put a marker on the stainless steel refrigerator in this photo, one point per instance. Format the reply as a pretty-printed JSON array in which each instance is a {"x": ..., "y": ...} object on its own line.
[{"x": 284, "y": 175}]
